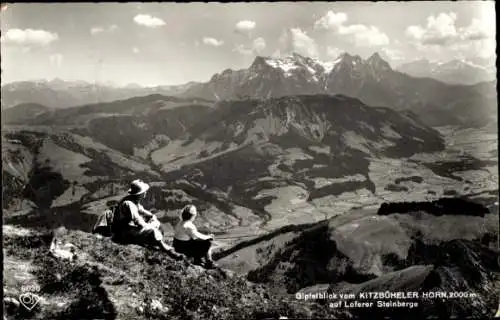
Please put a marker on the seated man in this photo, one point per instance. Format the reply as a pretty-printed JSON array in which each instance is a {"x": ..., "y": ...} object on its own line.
[
  {"x": 189, "y": 241},
  {"x": 129, "y": 226}
]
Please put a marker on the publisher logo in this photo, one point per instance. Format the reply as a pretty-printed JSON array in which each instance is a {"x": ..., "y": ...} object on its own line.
[{"x": 29, "y": 300}]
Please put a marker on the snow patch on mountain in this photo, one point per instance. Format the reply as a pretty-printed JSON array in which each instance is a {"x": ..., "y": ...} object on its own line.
[
  {"x": 295, "y": 62},
  {"x": 284, "y": 64},
  {"x": 328, "y": 65}
]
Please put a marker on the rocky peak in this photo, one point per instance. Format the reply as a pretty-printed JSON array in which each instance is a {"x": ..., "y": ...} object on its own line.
[
  {"x": 227, "y": 72},
  {"x": 347, "y": 59},
  {"x": 376, "y": 61},
  {"x": 224, "y": 74},
  {"x": 259, "y": 64},
  {"x": 299, "y": 58}
]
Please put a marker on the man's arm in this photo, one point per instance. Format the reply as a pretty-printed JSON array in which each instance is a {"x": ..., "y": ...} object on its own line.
[
  {"x": 136, "y": 217},
  {"x": 148, "y": 214}
]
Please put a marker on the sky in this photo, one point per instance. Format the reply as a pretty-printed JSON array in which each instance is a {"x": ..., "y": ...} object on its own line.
[{"x": 174, "y": 43}]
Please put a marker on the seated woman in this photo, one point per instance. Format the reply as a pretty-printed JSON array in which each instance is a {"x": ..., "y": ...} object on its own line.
[{"x": 189, "y": 241}]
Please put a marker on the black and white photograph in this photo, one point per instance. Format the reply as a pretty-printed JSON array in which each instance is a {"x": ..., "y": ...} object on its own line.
[{"x": 250, "y": 160}]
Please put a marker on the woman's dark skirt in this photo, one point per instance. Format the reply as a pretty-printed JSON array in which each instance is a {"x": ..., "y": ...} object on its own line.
[{"x": 193, "y": 248}]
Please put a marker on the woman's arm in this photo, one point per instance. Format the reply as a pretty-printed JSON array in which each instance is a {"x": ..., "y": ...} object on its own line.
[{"x": 195, "y": 234}]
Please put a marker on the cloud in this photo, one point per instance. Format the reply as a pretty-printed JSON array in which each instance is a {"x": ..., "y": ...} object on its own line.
[
  {"x": 148, "y": 21},
  {"x": 331, "y": 21},
  {"x": 297, "y": 40},
  {"x": 29, "y": 37},
  {"x": 56, "y": 59},
  {"x": 366, "y": 36},
  {"x": 333, "y": 52},
  {"x": 481, "y": 29},
  {"x": 245, "y": 25},
  {"x": 241, "y": 49},
  {"x": 394, "y": 55},
  {"x": 441, "y": 30},
  {"x": 135, "y": 50},
  {"x": 258, "y": 45},
  {"x": 484, "y": 49},
  {"x": 360, "y": 34},
  {"x": 98, "y": 29},
  {"x": 212, "y": 42},
  {"x": 457, "y": 49}
]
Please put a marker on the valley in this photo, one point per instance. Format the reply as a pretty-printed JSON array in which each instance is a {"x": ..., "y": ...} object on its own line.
[{"x": 281, "y": 184}]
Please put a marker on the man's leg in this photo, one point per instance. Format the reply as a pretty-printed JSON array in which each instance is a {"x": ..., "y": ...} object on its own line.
[
  {"x": 170, "y": 251},
  {"x": 158, "y": 236},
  {"x": 154, "y": 237}
]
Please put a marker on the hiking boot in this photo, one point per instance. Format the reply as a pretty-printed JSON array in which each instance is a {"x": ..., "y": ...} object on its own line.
[
  {"x": 211, "y": 265},
  {"x": 175, "y": 255}
]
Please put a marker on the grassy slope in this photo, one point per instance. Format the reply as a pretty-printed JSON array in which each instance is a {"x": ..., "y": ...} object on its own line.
[{"x": 111, "y": 281}]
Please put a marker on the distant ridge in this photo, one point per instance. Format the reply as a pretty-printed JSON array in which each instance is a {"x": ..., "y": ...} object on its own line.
[
  {"x": 59, "y": 93},
  {"x": 373, "y": 81}
]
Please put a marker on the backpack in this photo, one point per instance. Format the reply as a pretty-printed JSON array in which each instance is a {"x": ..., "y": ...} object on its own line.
[{"x": 104, "y": 222}]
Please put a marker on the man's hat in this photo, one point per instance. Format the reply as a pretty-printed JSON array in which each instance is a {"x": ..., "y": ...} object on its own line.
[{"x": 138, "y": 187}]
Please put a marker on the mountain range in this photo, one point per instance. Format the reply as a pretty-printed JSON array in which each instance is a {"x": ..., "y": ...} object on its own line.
[
  {"x": 452, "y": 72},
  {"x": 57, "y": 93},
  {"x": 373, "y": 81}
]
